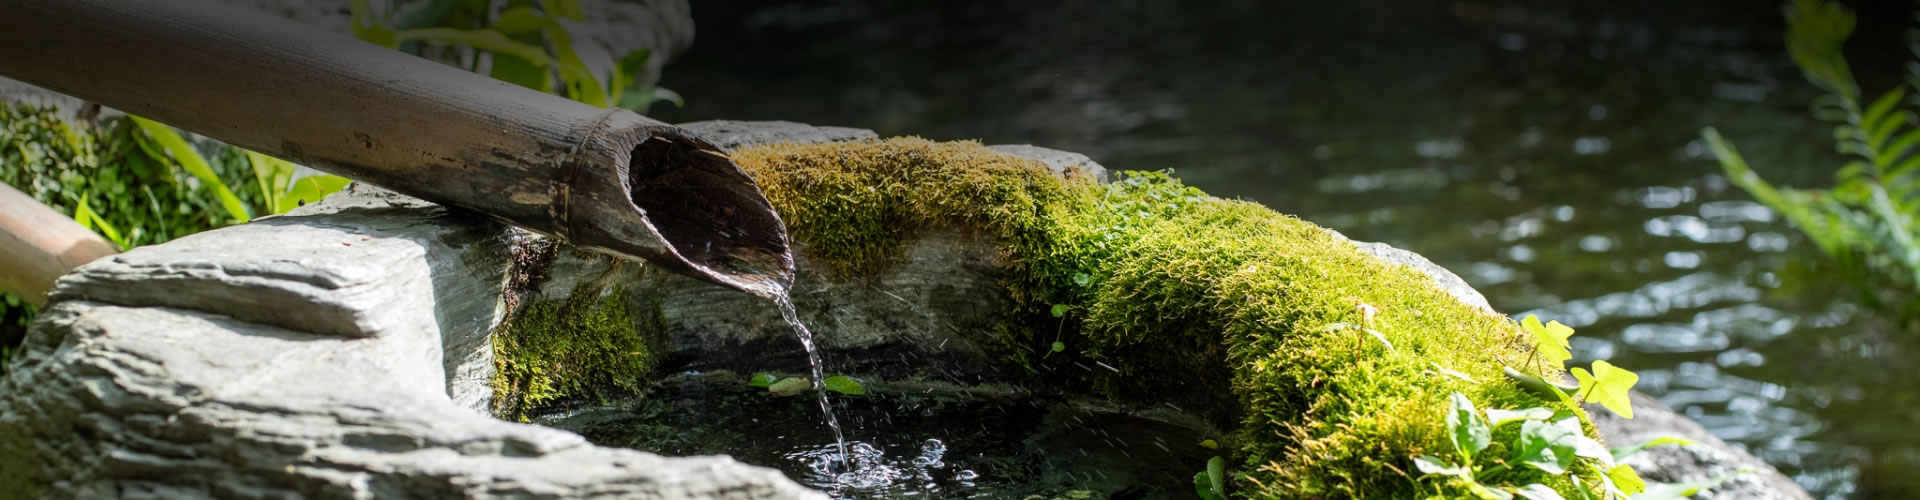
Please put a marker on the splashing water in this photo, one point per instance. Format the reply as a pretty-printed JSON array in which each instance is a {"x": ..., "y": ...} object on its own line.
[{"x": 818, "y": 372}]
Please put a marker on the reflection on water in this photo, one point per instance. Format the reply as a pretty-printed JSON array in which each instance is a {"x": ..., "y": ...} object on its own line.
[
  {"x": 908, "y": 445},
  {"x": 1544, "y": 150}
]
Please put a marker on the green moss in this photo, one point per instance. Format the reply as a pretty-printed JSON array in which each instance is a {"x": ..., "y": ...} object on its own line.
[
  {"x": 584, "y": 347},
  {"x": 1219, "y": 304}
]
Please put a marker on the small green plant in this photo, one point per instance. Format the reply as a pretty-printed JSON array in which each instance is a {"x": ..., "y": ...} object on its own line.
[
  {"x": 794, "y": 385},
  {"x": 1866, "y": 221},
  {"x": 1211, "y": 484},
  {"x": 530, "y": 44},
  {"x": 1550, "y": 440}
]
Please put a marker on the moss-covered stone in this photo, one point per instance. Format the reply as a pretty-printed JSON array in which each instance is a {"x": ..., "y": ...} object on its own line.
[
  {"x": 1223, "y": 305},
  {"x": 596, "y": 341}
]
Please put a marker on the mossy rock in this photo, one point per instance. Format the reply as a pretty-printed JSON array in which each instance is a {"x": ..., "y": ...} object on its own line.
[{"x": 1223, "y": 307}]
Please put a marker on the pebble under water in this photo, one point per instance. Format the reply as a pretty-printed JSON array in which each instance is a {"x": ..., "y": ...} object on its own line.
[{"x": 917, "y": 445}]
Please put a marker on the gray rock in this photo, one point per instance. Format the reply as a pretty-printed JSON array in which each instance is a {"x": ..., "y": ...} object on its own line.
[
  {"x": 268, "y": 360},
  {"x": 729, "y": 134},
  {"x": 1059, "y": 160}
]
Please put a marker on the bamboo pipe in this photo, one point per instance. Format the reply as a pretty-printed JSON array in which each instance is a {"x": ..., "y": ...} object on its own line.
[
  {"x": 38, "y": 245},
  {"x": 610, "y": 181}
]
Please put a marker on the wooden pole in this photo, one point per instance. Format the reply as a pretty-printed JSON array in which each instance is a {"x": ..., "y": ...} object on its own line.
[
  {"x": 610, "y": 181},
  {"x": 38, "y": 245}
]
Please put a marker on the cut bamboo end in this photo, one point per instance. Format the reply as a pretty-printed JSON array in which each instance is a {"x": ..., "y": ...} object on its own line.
[{"x": 648, "y": 190}]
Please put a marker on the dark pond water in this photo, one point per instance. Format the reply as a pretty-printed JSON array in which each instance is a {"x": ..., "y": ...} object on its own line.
[
  {"x": 909, "y": 444},
  {"x": 1544, "y": 150}
]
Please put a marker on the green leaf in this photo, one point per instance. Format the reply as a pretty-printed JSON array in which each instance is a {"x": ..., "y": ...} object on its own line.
[
  {"x": 1549, "y": 340},
  {"x": 1623, "y": 452},
  {"x": 1430, "y": 465},
  {"x": 1060, "y": 310},
  {"x": 569, "y": 9},
  {"x": 194, "y": 164},
  {"x": 90, "y": 220},
  {"x": 1879, "y": 119},
  {"x": 1217, "y": 476},
  {"x": 1545, "y": 446},
  {"x": 789, "y": 386},
  {"x": 1203, "y": 487},
  {"x": 1059, "y": 346},
  {"x": 762, "y": 380},
  {"x": 846, "y": 385},
  {"x": 1497, "y": 416},
  {"x": 1379, "y": 336},
  {"x": 310, "y": 189},
  {"x": 367, "y": 28},
  {"x": 1485, "y": 493},
  {"x": 1537, "y": 491},
  {"x": 1626, "y": 480},
  {"x": 1900, "y": 147},
  {"x": 520, "y": 20},
  {"x": 1607, "y": 385},
  {"x": 1209, "y": 444},
  {"x": 488, "y": 40},
  {"x": 1469, "y": 434}
]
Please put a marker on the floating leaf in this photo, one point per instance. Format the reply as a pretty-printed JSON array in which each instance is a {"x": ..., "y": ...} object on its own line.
[
  {"x": 1623, "y": 452},
  {"x": 1607, "y": 385},
  {"x": 762, "y": 380},
  {"x": 1537, "y": 491},
  {"x": 846, "y": 385},
  {"x": 1469, "y": 434},
  {"x": 789, "y": 386},
  {"x": 1549, "y": 340}
]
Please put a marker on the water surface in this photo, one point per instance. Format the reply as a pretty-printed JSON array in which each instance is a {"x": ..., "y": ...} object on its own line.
[{"x": 1546, "y": 151}]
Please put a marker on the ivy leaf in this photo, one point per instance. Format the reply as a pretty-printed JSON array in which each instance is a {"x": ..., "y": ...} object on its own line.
[
  {"x": 1549, "y": 340},
  {"x": 762, "y": 380},
  {"x": 1537, "y": 491},
  {"x": 1587, "y": 447},
  {"x": 1608, "y": 385},
  {"x": 1626, "y": 480},
  {"x": 1623, "y": 452},
  {"x": 1545, "y": 446},
  {"x": 845, "y": 385},
  {"x": 1470, "y": 435}
]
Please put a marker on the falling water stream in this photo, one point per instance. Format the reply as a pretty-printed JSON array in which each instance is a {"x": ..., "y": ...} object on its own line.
[{"x": 818, "y": 371}]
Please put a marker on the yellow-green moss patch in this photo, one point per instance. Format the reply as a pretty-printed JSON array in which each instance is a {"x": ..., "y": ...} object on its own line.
[
  {"x": 581, "y": 347},
  {"x": 1223, "y": 305}
]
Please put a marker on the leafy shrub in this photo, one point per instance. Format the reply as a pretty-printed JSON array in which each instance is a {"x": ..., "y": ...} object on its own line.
[
  {"x": 530, "y": 44},
  {"x": 1866, "y": 221}
]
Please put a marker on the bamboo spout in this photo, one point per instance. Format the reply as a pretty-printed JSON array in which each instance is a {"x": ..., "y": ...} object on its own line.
[{"x": 610, "y": 181}]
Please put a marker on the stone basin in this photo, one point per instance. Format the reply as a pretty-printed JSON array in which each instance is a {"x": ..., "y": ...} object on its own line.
[{"x": 347, "y": 350}]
